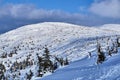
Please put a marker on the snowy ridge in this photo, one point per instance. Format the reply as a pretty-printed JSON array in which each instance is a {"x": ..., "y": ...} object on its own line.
[
  {"x": 112, "y": 27},
  {"x": 51, "y": 34},
  {"x": 62, "y": 39}
]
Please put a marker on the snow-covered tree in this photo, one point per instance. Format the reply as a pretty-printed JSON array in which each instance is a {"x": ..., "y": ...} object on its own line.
[
  {"x": 47, "y": 63},
  {"x": 101, "y": 56},
  {"x": 2, "y": 71},
  {"x": 29, "y": 75},
  {"x": 118, "y": 42},
  {"x": 66, "y": 61},
  {"x": 39, "y": 66}
]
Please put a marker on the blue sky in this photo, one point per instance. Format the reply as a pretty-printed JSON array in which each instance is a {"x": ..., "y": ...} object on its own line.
[{"x": 16, "y": 13}]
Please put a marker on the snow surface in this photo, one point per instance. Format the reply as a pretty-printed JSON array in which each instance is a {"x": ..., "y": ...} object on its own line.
[
  {"x": 61, "y": 38},
  {"x": 112, "y": 27},
  {"x": 65, "y": 40},
  {"x": 86, "y": 69}
]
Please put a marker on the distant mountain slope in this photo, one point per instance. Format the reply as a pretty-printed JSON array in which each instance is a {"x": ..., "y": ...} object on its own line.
[{"x": 112, "y": 27}]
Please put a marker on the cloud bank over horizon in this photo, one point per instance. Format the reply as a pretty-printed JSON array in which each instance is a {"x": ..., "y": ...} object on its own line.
[
  {"x": 106, "y": 8},
  {"x": 98, "y": 13}
]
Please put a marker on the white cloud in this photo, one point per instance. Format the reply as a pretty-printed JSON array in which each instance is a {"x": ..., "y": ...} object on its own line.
[
  {"x": 16, "y": 11},
  {"x": 31, "y": 12},
  {"x": 24, "y": 11},
  {"x": 82, "y": 8},
  {"x": 106, "y": 8}
]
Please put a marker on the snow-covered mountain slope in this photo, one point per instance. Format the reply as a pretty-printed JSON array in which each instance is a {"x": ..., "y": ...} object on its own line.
[
  {"x": 62, "y": 39},
  {"x": 112, "y": 27}
]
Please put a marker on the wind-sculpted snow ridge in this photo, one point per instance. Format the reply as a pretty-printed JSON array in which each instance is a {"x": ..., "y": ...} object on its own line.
[{"x": 62, "y": 39}]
